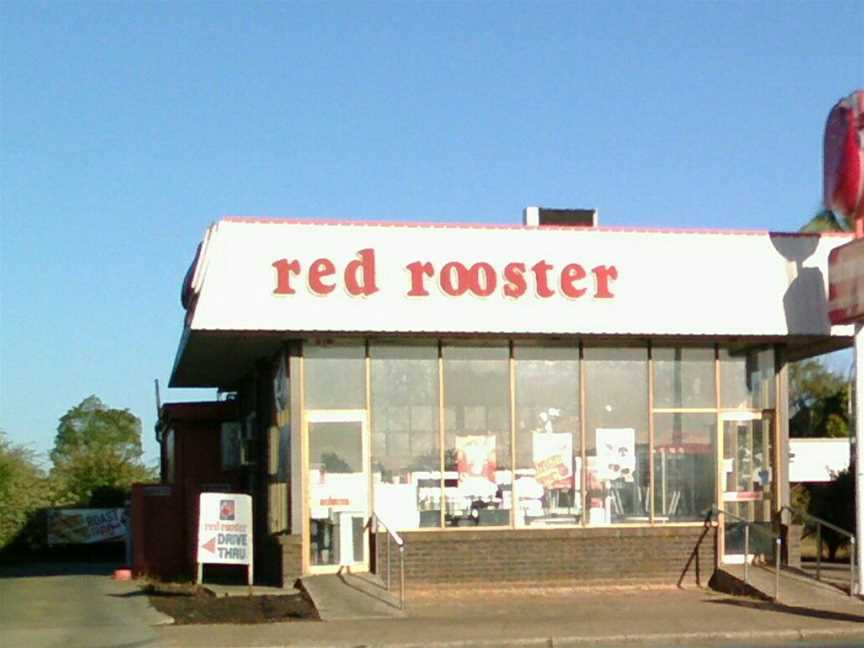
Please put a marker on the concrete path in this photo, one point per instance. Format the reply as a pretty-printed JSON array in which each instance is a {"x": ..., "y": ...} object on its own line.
[
  {"x": 72, "y": 605},
  {"x": 350, "y": 597},
  {"x": 797, "y": 589},
  {"x": 552, "y": 617}
]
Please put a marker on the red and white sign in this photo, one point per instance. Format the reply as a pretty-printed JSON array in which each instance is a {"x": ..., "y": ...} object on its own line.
[
  {"x": 743, "y": 496},
  {"x": 225, "y": 529},
  {"x": 257, "y": 275},
  {"x": 846, "y": 283},
  {"x": 844, "y": 157}
]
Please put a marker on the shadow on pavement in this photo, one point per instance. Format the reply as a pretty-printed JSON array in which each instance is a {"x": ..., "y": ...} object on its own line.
[
  {"x": 33, "y": 570},
  {"x": 134, "y": 594},
  {"x": 791, "y": 609},
  {"x": 370, "y": 588}
]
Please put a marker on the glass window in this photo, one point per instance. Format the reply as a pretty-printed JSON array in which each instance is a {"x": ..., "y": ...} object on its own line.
[
  {"x": 548, "y": 436},
  {"x": 335, "y": 376},
  {"x": 406, "y": 457},
  {"x": 684, "y": 378},
  {"x": 747, "y": 379},
  {"x": 477, "y": 460},
  {"x": 282, "y": 406},
  {"x": 616, "y": 393},
  {"x": 747, "y": 451},
  {"x": 170, "y": 457},
  {"x": 684, "y": 466},
  {"x": 338, "y": 488}
]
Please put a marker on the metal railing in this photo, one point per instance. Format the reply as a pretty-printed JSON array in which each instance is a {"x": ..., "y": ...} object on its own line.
[
  {"x": 716, "y": 512},
  {"x": 392, "y": 537},
  {"x": 819, "y": 522}
]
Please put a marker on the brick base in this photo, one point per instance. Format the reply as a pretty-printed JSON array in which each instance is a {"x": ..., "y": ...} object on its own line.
[
  {"x": 660, "y": 555},
  {"x": 290, "y": 559}
]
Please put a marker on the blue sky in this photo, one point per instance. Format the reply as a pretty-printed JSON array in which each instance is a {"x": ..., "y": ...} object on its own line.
[{"x": 128, "y": 127}]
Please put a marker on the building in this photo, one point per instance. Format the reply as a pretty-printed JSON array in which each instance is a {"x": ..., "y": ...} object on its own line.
[{"x": 520, "y": 403}]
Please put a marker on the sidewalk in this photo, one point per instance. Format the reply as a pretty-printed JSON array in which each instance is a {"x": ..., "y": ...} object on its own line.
[{"x": 547, "y": 617}]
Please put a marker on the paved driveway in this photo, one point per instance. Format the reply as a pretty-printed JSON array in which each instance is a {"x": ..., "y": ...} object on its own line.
[{"x": 71, "y": 605}]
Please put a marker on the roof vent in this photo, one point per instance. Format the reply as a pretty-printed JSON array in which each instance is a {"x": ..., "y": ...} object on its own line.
[{"x": 538, "y": 216}]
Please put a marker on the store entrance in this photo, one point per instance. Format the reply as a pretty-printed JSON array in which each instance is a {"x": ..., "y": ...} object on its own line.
[
  {"x": 337, "y": 490},
  {"x": 746, "y": 482}
]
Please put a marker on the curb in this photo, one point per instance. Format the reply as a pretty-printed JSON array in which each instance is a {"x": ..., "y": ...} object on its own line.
[{"x": 666, "y": 639}]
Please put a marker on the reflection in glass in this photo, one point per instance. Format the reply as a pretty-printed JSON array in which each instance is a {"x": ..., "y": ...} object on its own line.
[
  {"x": 548, "y": 453},
  {"x": 685, "y": 473},
  {"x": 338, "y": 487},
  {"x": 335, "y": 376},
  {"x": 406, "y": 458},
  {"x": 617, "y": 440},
  {"x": 747, "y": 379},
  {"x": 477, "y": 479},
  {"x": 683, "y": 378},
  {"x": 747, "y": 478}
]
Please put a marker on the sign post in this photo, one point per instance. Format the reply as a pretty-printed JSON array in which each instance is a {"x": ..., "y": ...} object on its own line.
[
  {"x": 843, "y": 189},
  {"x": 859, "y": 456},
  {"x": 224, "y": 532},
  {"x": 846, "y": 306}
]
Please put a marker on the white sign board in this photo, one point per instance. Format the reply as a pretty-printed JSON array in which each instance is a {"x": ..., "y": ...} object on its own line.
[
  {"x": 294, "y": 276},
  {"x": 817, "y": 460},
  {"x": 224, "y": 530}
]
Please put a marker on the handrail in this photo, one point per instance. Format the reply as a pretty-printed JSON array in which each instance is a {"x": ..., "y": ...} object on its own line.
[
  {"x": 817, "y": 519},
  {"x": 778, "y": 541},
  {"x": 396, "y": 537},
  {"x": 715, "y": 510},
  {"x": 374, "y": 522},
  {"x": 819, "y": 524}
]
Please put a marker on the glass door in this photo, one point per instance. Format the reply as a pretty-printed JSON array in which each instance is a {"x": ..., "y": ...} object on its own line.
[
  {"x": 746, "y": 478},
  {"x": 337, "y": 490}
]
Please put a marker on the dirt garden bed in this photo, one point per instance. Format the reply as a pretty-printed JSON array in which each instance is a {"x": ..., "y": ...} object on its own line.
[{"x": 190, "y": 604}]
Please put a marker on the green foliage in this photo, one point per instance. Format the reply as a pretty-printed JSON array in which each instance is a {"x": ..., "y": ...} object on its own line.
[
  {"x": 92, "y": 426},
  {"x": 834, "y": 502},
  {"x": 97, "y": 454},
  {"x": 818, "y": 401},
  {"x": 799, "y": 497},
  {"x": 24, "y": 490},
  {"x": 827, "y": 221}
]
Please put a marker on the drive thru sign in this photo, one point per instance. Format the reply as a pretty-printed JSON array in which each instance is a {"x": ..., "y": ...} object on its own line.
[{"x": 224, "y": 531}]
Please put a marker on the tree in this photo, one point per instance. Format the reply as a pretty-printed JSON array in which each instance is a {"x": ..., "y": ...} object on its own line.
[
  {"x": 827, "y": 221},
  {"x": 97, "y": 454},
  {"x": 834, "y": 502},
  {"x": 24, "y": 489},
  {"x": 818, "y": 401}
]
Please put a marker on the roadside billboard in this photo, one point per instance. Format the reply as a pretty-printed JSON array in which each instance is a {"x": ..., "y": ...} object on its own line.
[{"x": 85, "y": 526}]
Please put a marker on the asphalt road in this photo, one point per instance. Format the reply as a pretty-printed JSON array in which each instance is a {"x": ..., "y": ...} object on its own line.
[{"x": 72, "y": 605}]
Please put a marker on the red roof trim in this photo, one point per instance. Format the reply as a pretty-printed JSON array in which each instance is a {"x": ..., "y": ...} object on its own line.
[{"x": 266, "y": 220}]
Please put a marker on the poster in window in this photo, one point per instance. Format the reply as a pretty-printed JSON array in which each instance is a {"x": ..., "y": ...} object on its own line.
[
  {"x": 553, "y": 459},
  {"x": 475, "y": 456},
  {"x": 616, "y": 456}
]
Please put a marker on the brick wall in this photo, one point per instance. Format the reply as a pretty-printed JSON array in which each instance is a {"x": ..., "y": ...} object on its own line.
[
  {"x": 792, "y": 544},
  {"x": 291, "y": 554},
  {"x": 667, "y": 555}
]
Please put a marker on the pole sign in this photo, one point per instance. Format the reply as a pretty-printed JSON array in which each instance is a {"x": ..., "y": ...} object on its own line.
[
  {"x": 846, "y": 283},
  {"x": 843, "y": 158},
  {"x": 224, "y": 531},
  {"x": 843, "y": 173}
]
